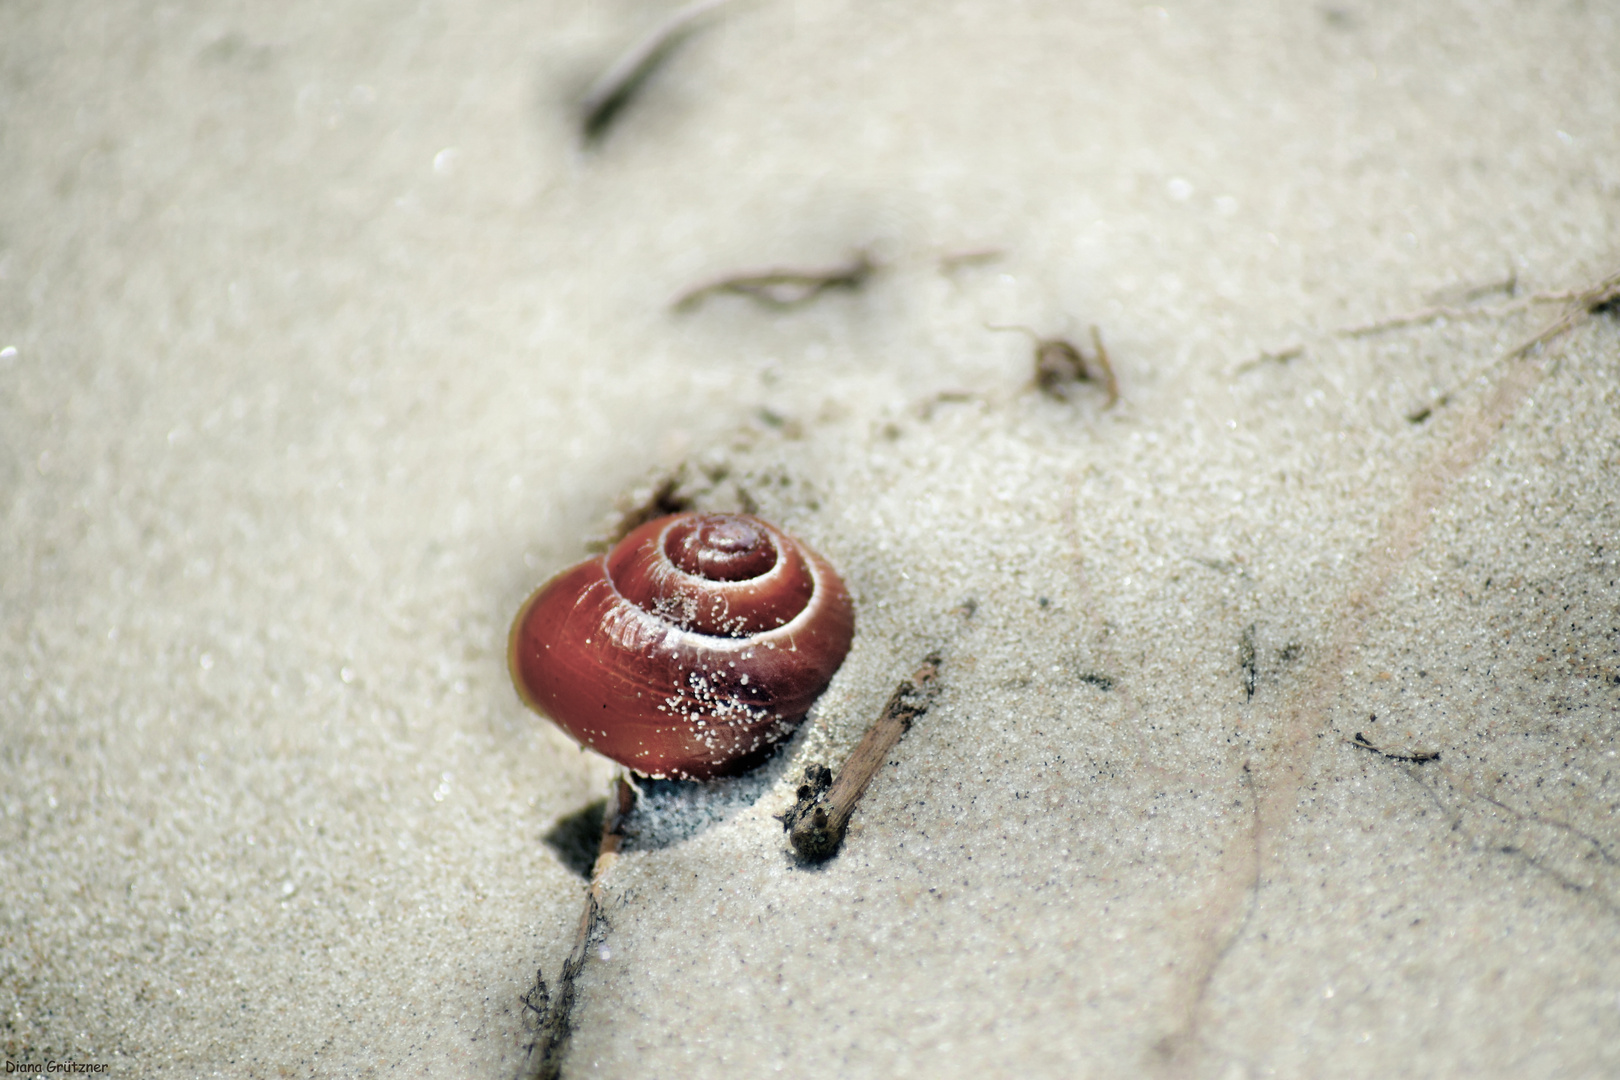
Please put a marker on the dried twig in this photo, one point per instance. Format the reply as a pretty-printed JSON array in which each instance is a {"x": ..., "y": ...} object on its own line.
[
  {"x": 1583, "y": 304},
  {"x": 1447, "y": 311},
  {"x": 543, "y": 1057},
  {"x": 1360, "y": 743},
  {"x": 817, "y": 821},
  {"x": 1578, "y": 297},
  {"x": 614, "y": 88},
  {"x": 782, "y": 288}
]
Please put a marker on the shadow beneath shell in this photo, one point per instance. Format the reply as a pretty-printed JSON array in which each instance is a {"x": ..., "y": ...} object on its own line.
[
  {"x": 576, "y": 838},
  {"x": 673, "y": 811},
  {"x": 667, "y": 812}
]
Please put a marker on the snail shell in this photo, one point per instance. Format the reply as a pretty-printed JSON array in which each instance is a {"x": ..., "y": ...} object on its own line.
[{"x": 687, "y": 651}]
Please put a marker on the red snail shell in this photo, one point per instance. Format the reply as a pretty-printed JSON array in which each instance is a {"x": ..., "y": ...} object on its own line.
[{"x": 687, "y": 651}]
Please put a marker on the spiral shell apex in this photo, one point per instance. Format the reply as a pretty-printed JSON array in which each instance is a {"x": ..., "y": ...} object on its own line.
[{"x": 689, "y": 650}]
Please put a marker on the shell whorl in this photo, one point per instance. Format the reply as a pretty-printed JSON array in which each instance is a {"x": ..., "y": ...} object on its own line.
[{"x": 687, "y": 651}]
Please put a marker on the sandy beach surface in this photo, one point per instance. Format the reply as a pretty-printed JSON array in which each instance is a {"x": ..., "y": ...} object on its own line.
[{"x": 1278, "y": 725}]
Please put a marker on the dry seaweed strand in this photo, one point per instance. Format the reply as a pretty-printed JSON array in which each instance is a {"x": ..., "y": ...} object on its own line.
[
  {"x": 1450, "y": 311},
  {"x": 543, "y": 1057},
  {"x": 614, "y": 88},
  {"x": 782, "y": 288},
  {"x": 1585, "y": 303},
  {"x": 817, "y": 821},
  {"x": 1580, "y": 304}
]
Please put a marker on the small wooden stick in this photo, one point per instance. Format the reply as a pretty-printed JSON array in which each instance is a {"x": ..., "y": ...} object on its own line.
[
  {"x": 817, "y": 822},
  {"x": 543, "y": 1060}
]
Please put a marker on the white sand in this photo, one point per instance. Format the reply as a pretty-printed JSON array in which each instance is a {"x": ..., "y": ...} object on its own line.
[{"x": 330, "y": 343}]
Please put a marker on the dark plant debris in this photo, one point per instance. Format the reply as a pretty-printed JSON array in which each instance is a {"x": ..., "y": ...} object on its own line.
[
  {"x": 1279, "y": 356},
  {"x": 1059, "y": 364},
  {"x": 550, "y": 1018},
  {"x": 783, "y": 288},
  {"x": 1419, "y": 415},
  {"x": 817, "y": 779},
  {"x": 709, "y": 485},
  {"x": 615, "y": 87},
  {"x": 1247, "y": 658},
  {"x": 1418, "y": 758}
]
